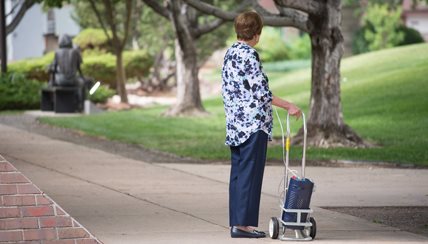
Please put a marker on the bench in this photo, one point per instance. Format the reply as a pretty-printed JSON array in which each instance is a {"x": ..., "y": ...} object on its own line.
[{"x": 60, "y": 99}]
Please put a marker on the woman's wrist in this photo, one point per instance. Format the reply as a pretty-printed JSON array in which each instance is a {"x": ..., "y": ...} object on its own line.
[{"x": 281, "y": 103}]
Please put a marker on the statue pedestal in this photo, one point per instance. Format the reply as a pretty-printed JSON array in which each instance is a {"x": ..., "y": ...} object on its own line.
[
  {"x": 60, "y": 99},
  {"x": 90, "y": 108}
]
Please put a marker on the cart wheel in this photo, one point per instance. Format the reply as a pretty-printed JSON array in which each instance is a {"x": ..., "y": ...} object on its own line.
[
  {"x": 313, "y": 232},
  {"x": 273, "y": 228}
]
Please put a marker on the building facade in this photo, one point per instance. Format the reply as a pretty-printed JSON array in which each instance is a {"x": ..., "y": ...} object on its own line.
[
  {"x": 415, "y": 15},
  {"x": 39, "y": 30}
]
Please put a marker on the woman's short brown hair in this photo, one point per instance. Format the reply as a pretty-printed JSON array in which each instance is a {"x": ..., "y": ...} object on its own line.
[{"x": 247, "y": 25}]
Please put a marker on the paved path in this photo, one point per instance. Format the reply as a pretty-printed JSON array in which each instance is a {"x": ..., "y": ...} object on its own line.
[{"x": 122, "y": 200}]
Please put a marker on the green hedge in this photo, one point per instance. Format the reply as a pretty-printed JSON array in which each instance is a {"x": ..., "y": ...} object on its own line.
[
  {"x": 361, "y": 45},
  {"x": 91, "y": 38},
  {"x": 18, "y": 92},
  {"x": 34, "y": 68},
  {"x": 99, "y": 67},
  {"x": 102, "y": 94},
  {"x": 411, "y": 36},
  {"x": 273, "y": 47}
]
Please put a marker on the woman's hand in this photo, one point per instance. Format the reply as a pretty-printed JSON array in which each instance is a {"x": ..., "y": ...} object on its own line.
[{"x": 293, "y": 110}]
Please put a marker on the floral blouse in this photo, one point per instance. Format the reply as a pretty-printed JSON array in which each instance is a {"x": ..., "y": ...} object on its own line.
[{"x": 246, "y": 95}]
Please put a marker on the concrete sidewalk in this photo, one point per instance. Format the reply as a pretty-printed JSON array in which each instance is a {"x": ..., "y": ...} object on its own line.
[{"x": 121, "y": 200}]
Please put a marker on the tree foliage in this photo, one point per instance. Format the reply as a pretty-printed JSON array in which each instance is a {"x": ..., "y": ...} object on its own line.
[
  {"x": 383, "y": 26},
  {"x": 18, "y": 92},
  {"x": 85, "y": 16},
  {"x": 155, "y": 33},
  {"x": 411, "y": 36},
  {"x": 92, "y": 40},
  {"x": 273, "y": 47}
]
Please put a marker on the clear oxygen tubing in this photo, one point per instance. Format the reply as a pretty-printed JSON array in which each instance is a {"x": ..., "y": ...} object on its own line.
[
  {"x": 283, "y": 184},
  {"x": 302, "y": 172}
]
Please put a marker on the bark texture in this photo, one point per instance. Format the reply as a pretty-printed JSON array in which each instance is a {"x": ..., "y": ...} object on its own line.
[
  {"x": 120, "y": 77},
  {"x": 326, "y": 127},
  {"x": 188, "y": 96},
  {"x": 189, "y": 101}
]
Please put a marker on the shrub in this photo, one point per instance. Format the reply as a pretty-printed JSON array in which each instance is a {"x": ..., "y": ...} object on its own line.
[
  {"x": 272, "y": 46},
  {"x": 103, "y": 67},
  {"x": 386, "y": 22},
  {"x": 18, "y": 93},
  {"x": 100, "y": 67},
  {"x": 33, "y": 68},
  {"x": 92, "y": 40},
  {"x": 411, "y": 36},
  {"x": 300, "y": 48},
  {"x": 361, "y": 45},
  {"x": 102, "y": 94},
  {"x": 137, "y": 63}
]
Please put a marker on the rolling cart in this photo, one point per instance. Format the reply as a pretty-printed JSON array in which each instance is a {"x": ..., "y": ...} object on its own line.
[{"x": 294, "y": 222}]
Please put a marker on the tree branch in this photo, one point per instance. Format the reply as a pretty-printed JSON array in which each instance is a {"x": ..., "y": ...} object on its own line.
[
  {"x": 97, "y": 13},
  {"x": 290, "y": 17},
  {"x": 180, "y": 23},
  {"x": 294, "y": 18},
  {"x": 259, "y": 9},
  {"x": 110, "y": 21},
  {"x": 127, "y": 22},
  {"x": 299, "y": 22},
  {"x": 208, "y": 27},
  {"x": 307, "y": 6},
  {"x": 217, "y": 23},
  {"x": 18, "y": 17},
  {"x": 154, "y": 4},
  {"x": 14, "y": 7},
  {"x": 211, "y": 10}
]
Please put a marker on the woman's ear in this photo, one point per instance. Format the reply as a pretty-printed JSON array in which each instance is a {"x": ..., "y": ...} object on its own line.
[{"x": 257, "y": 38}]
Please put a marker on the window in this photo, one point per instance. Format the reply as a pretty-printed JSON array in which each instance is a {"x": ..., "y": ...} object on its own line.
[{"x": 51, "y": 22}]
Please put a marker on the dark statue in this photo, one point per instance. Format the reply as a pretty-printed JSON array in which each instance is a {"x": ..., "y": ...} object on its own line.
[
  {"x": 65, "y": 70},
  {"x": 67, "y": 63}
]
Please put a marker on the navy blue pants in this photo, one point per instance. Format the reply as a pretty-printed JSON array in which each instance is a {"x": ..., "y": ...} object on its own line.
[{"x": 246, "y": 177}]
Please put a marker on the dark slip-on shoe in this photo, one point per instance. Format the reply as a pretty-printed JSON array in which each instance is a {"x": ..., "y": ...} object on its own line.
[{"x": 237, "y": 233}]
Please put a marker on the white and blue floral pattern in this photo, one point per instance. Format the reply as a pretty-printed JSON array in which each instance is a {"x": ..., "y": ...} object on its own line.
[{"x": 246, "y": 95}]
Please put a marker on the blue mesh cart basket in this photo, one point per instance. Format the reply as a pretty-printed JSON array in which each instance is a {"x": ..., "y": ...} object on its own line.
[{"x": 298, "y": 197}]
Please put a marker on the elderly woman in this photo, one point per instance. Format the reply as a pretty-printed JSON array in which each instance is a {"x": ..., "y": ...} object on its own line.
[{"x": 248, "y": 106}]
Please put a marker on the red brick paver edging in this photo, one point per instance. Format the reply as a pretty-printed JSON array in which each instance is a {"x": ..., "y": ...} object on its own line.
[{"x": 27, "y": 215}]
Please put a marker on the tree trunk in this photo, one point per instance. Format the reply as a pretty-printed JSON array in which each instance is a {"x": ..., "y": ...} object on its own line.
[
  {"x": 188, "y": 95},
  {"x": 325, "y": 124},
  {"x": 120, "y": 77},
  {"x": 3, "y": 39},
  {"x": 163, "y": 70}
]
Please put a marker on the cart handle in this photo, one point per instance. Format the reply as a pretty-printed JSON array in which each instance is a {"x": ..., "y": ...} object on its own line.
[{"x": 287, "y": 142}]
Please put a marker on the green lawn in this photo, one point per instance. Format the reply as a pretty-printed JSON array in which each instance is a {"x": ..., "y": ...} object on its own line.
[
  {"x": 11, "y": 112},
  {"x": 384, "y": 98}
]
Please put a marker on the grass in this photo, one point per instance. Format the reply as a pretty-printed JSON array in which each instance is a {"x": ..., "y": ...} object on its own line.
[
  {"x": 11, "y": 112},
  {"x": 384, "y": 99},
  {"x": 288, "y": 65}
]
